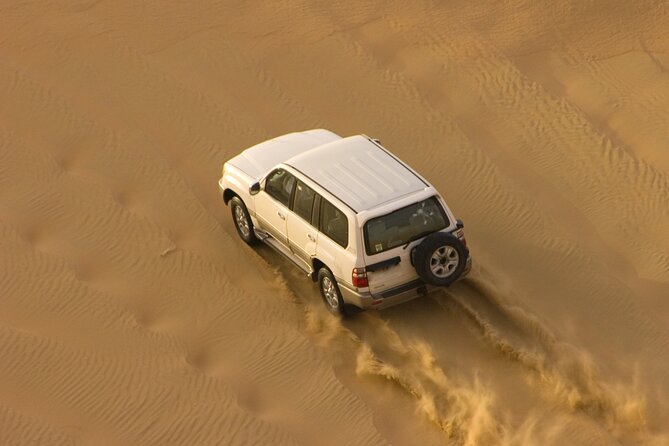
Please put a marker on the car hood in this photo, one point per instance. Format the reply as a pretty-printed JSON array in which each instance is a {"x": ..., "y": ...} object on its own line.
[{"x": 256, "y": 161}]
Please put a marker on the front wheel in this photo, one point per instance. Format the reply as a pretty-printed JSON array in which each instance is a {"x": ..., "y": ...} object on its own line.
[
  {"x": 330, "y": 292},
  {"x": 242, "y": 220}
]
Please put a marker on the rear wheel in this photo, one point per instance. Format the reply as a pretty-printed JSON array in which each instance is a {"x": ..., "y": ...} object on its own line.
[
  {"x": 330, "y": 292},
  {"x": 242, "y": 220},
  {"x": 440, "y": 259}
]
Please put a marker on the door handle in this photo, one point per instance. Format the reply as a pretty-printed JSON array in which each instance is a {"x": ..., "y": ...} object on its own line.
[
  {"x": 311, "y": 237},
  {"x": 281, "y": 216}
]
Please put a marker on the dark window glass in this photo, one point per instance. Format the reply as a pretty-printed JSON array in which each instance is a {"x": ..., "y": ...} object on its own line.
[
  {"x": 398, "y": 227},
  {"x": 334, "y": 223},
  {"x": 280, "y": 185},
  {"x": 303, "y": 201}
]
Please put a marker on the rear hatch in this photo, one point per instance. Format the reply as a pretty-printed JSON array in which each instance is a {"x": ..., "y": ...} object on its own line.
[
  {"x": 389, "y": 270},
  {"x": 389, "y": 239}
]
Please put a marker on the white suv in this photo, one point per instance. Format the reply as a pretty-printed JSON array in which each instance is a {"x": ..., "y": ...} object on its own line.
[{"x": 350, "y": 214}]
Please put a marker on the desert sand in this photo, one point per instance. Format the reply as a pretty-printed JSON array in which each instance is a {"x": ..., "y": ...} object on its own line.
[{"x": 132, "y": 314}]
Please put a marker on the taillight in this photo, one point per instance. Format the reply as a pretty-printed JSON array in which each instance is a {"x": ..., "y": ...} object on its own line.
[
  {"x": 359, "y": 278},
  {"x": 460, "y": 234}
]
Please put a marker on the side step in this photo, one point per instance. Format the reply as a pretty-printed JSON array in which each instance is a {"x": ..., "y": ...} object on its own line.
[
  {"x": 278, "y": 247},
  {"x": 261, "y": 235}
]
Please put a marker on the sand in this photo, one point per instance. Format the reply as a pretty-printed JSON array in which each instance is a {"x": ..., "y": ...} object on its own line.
[{"x": 132, "y": 314}]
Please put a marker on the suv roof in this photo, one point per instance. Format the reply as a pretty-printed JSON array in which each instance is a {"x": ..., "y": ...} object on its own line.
[{"x": 358, "y": 172}]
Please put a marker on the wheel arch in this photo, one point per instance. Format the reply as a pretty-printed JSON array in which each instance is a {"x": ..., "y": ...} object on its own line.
[
  {"x": 316, "y": 265},
  {"x": 229, "y": 194}
]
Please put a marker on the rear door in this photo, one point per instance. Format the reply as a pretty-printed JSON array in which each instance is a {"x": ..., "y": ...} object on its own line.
[
  {"x": 389, "y": 269},
  {"x": 302, "y": 234},
  {"x": 333, "y": 239},
  {"x": 389, "y": 239}
]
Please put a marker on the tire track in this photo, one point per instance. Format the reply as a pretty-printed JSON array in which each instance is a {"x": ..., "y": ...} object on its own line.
[
  {"x": 467, "y": 409},
  {"x": 566, "y": 373}
]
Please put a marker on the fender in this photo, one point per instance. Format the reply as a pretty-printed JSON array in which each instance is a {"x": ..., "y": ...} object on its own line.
[{"x": 238, "y": 182}]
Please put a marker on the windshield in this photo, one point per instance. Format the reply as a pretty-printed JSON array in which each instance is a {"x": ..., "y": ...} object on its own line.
[{"x": 399, "y": 227}]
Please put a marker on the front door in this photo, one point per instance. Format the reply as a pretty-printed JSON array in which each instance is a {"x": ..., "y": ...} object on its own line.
[{"x": 272, "y": 204}]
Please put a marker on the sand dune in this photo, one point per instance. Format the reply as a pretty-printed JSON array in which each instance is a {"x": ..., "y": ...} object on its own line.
[{"x": 130, "y": 312}]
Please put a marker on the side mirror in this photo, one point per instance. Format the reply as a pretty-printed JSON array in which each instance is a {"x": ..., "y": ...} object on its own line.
[
  {"x": 254, "y": 188},
  {"x": 459, "y": 224}
]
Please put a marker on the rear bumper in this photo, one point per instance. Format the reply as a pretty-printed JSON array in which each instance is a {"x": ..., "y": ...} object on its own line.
[
  {"x": 397, "y": 295},
  {"x": 468, "y": 267}
]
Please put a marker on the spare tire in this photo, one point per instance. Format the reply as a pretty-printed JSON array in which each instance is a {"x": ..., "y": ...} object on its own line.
[{"x": 440, "y": 259}]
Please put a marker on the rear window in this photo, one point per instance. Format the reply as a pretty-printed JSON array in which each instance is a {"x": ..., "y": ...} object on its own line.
[{"x": 399, "y": 227}]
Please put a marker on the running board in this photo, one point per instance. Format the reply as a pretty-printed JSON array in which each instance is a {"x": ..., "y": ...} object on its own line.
[
  {"x": 261, "y": 235},
  {"x": 278, "y": 247}
]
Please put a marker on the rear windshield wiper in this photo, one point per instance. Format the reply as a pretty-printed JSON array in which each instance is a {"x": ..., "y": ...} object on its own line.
[{"x": 416, "y": 237}]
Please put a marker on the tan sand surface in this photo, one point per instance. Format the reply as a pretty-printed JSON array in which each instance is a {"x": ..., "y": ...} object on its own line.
[{"x": 131, "y": 313}]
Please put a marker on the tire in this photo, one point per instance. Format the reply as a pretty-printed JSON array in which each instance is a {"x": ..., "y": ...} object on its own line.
[
  {"x": 440, "y": 259},
  {"x": 330, "y": 293},
  {"x": 242, "y": 221}
]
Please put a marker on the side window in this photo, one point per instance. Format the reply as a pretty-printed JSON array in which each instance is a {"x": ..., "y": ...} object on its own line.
[
  {"x": 303, "y": 201},
  {"x": 279, "y": 184},
  {"x": 334, "y": 223}
]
